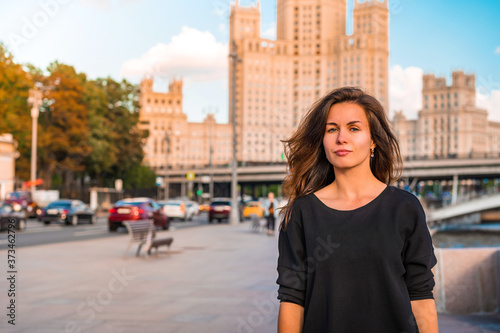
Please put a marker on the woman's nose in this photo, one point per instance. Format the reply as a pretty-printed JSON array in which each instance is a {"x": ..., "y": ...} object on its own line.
[{"x": 341, "y": 138}]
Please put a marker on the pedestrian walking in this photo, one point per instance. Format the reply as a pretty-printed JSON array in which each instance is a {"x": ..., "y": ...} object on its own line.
[
  {"x": 355, "y": 254},
  {"x": 271, "y": 209}
]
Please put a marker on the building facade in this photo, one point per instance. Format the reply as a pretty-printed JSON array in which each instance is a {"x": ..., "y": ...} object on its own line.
[
  {"x": 8, "y": 156},
  {"x": 449, "y": 124},
  {"x": 174, "y": 141},
  {"x": 277, "y": 81}
]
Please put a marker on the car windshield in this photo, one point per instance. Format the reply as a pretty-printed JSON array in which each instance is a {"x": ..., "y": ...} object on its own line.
[
  {"x": 173, "y": 204},
  {"x": 59, "y": 204},
  {"x": 5, "y": 209},
  {"x": 18, "y": 195},
  {"x": 221, "y": 203},
  {"x": 129, "y": 203}
]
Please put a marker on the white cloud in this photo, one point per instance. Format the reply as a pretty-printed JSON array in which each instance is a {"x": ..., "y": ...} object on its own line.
[
  {"x": 490, "y": 102},
  {"x": 193, "y": 55},
  {"x": 270, "y": 33},
  {"x": 405, "y": 90},
  {"x": 497, "y": 50}
]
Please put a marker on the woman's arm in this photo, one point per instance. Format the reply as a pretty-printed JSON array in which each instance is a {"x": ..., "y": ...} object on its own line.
[
  {"x": 290, "y": 318},
  {"x": 426, "y": 316}
]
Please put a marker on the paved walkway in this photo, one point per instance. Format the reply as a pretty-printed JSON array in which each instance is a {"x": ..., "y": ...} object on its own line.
[{"x": 215, "y": 279}]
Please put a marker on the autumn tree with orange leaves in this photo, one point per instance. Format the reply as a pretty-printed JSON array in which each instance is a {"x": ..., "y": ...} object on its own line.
[{"x": 87, "y": 129}]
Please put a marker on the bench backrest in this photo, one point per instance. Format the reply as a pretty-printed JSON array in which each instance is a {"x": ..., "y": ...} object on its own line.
[{"x": 140, "y": 230}]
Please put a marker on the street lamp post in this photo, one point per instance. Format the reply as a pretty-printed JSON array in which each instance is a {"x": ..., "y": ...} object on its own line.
[
  {"x": 35, "y": 98},
  {"x": 234, "y": 218},
  {"x": 211, "y": 120},
  {"x": 167, "y": 150}
]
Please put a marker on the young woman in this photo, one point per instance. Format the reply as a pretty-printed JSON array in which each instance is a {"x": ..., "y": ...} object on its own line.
[{"x": 355, "y": 254}]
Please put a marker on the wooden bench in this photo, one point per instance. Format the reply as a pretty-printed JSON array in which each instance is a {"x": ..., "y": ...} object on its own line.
[
  {"x": 159, "y": 242},
  {"x": 144, "y": 233}
]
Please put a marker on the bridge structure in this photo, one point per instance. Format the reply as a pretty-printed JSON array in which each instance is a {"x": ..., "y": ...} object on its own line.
[
  {"x": 452, "y": 169},
  {"x": 478, "y": 205}
]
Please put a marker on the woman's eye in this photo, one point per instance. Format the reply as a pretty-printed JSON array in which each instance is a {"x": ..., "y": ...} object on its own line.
[
  {"x": 331, "y": 130},
  {"x": 354, "y": 129}
]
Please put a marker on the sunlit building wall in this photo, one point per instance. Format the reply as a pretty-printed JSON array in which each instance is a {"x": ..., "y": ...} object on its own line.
[
  {"x": 8, "y": 156},
  {"x": 278, "y": 80},
  {"x": 188, "y": 143},
  {"x": 449, "y": 124}
]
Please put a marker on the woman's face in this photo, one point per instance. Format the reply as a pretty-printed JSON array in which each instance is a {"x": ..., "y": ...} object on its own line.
[{"x": 347, "y": 138}]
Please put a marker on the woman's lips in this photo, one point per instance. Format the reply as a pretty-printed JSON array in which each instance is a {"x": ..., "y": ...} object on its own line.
[{"x": 342, "y": 152}]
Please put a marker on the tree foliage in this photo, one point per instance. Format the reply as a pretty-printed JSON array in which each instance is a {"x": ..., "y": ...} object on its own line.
[
  {"x": 15, "y": 83},
  {"x": 63, "y": 139},
  {"x": 116, "y": 139},
  {"x": 87, "y": 130},
  {"x": 140, "y": 176}
]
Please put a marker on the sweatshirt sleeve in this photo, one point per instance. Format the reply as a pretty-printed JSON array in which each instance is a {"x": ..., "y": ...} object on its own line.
[
  {"x": 291, "y": 260},
  {"x": 418, "y": 256}
]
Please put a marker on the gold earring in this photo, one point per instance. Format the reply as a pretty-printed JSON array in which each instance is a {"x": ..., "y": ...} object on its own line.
[{"x": 373, "y": 152}]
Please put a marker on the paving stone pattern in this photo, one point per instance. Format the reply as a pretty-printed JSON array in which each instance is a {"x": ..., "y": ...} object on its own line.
[{"x": 214, "y": 279}]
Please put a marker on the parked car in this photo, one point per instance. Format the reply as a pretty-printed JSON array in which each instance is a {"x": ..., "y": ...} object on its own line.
[
  {"x": 177, "y": 209},
  {"x": 252, "y": 208},
  {"x": 220, "y": 209},
  {"x": 24, "y": 199},
  {"x": 137, "y": 209},
  {"x": 8, "y": 213},
  {"x": 193, "y": 207},
  {"x": 68, "y": 211}
]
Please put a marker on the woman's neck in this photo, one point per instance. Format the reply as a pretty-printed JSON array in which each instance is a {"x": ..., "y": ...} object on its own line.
[{"x": 351, "y": 184}]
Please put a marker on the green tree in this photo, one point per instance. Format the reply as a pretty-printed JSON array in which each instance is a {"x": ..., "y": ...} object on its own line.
[
  {"x": 100, "y": 162},
  {"x": 115, "y": 137},
  {"x": 141, "y": 176}
]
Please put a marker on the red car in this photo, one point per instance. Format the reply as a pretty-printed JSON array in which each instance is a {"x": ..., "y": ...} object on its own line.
[
  {"x": 23, "y": 200},
  {"x": 137, "y": 209}
]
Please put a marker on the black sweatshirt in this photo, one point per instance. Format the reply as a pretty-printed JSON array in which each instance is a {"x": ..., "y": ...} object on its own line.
[{"x": 357, "y": 271}]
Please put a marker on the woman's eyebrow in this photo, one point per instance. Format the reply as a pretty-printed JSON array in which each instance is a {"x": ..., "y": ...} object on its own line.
[{"x": 349, "y": 123}]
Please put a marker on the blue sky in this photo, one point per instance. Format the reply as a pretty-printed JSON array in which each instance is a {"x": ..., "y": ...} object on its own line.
[{"x": 126, "y": 38}]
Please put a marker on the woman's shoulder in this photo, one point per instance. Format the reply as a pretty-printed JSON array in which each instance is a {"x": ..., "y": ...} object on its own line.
[
  {"x": 305, "y": 199},
  {"x": 399, "y": 196},
  {"x": 402, "y": 194},
  {"x": 303, "y": 203}
]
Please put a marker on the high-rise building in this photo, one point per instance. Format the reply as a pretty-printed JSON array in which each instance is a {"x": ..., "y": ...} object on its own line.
[
  {"x": 174, "y": 141},
  {"x": 278, "y": 80},
  {"x": 449, "y": 124}
]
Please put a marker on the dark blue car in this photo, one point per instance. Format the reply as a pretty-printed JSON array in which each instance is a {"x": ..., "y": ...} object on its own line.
[{"x": 68, "y": 211}]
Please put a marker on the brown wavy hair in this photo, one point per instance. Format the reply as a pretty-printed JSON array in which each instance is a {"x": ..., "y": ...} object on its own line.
[{"x": 308, "y": 169}]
